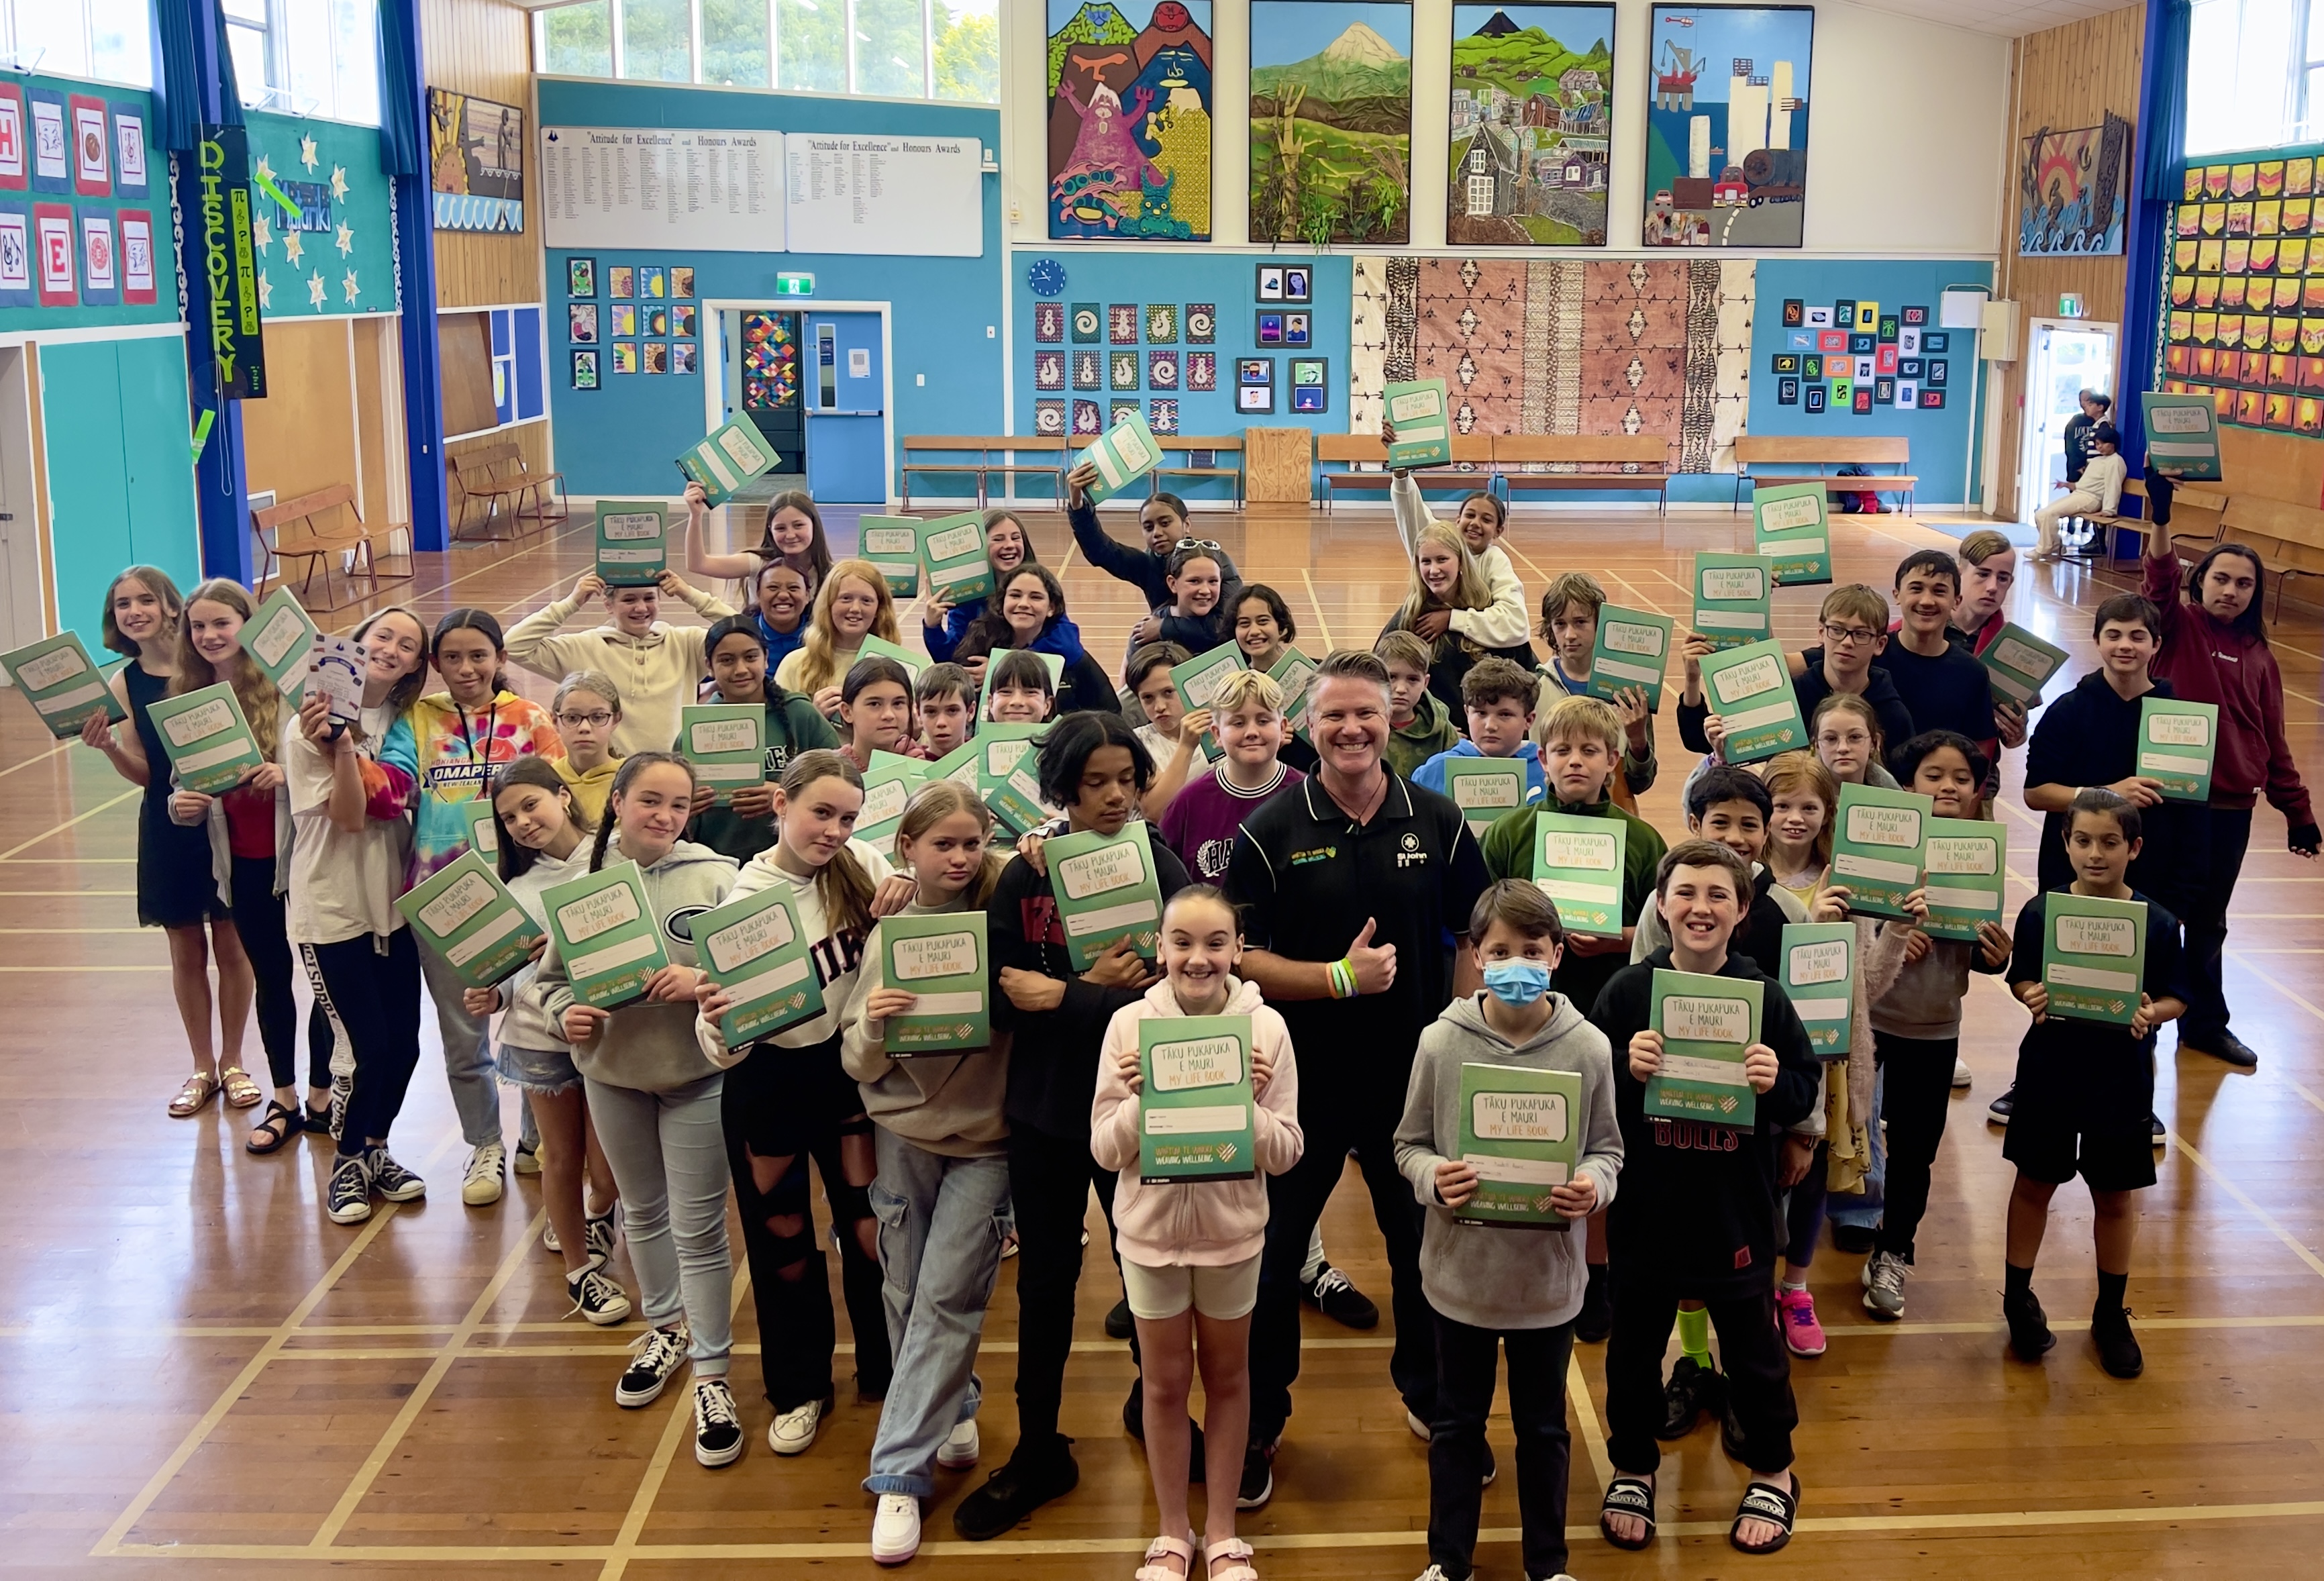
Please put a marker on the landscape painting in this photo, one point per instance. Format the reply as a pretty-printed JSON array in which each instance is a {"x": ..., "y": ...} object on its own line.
[
  {"x": 1331, "y": 122},
  {"x": 1726, "y": 126},
  {"x": 1531, "y": 104},
  {"x": 1129, "y": 120}
]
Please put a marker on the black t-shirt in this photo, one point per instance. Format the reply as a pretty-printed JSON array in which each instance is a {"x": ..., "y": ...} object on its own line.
[
  {"x": 1950, "y": 691},
  {"x": 2106, "y": 1075},
  {"x": 2089, "y": 736},
  {"x": 1305, "y": 876}
]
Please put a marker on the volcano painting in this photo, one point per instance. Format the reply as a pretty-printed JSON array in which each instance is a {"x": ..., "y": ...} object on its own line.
[
  {"x": 1532, "y": 88},
  {"x": 1331, "y": 122},
  {"x": 1129, "y": 120}
]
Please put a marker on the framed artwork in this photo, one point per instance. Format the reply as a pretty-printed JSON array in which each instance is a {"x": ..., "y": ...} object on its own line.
[
  {"x": 475, "y": 162},
  {"x": 1299, "y": 283},
  {"x": 1794, "y": 313},
  {"x": 1161, "y": 323},
  {"x": 1932, "y": 400},
  {"x": 1308, "y": 371},
  {"x": 1811, "y": 368},
  {"x": 1049, "y": 418},
  {"x": 625, "y": 356},
  {"x": 625, "y": 318},
  {"x": 1162, "y": 416},
  {"x": 1861, "y": 404},
  {"x": 681, "y": 280},
  {"x": 581, "y": 323},
  {"x": 1250, "y": 371},
  {"x": 2073, "y": 191},
  {"x": 1863, "y": 343},
  {"x": 1908, "y": 367},
  {"x": 1936, "y": 342},
  {"x": 1048, "y": 323},
  {"x": 1843, "y": 315},
  {"x": 1933, "y": 371},
  {"x": 1813, "y": 397},
  {"x": 657, "y": 355},
  {"x": 1914, "y": 315},
  {"x": 653, "y": 283},
  {"x": 1130, "y": 117},
  {"x": 1331, "y": 125},
  {"x": 1799, "y": 340},
  {"x": 1788, "y": 392},
  {"x": 657, "y": 320},
  {"x": 581, "y": 277},
  {"x": 1270, "y": 330},
  {"x": 1531, "y": 107},
  {"x": 1269, "y": 288},
  {"x": 1121, "y": 323},
  {"x": 1202, "y": 322},
  {"x": 1298, "y": 329},
  {"x": 1202, "y": 369},
  {"x": 1162, "y": 370},
  {"x": 682, "y": 356},
  {"x": 621, "y": 280},
  {"x": 585, "y": 370},
  {"x": 1783, "y": 363},
  {"x": 1746, "y": 71},
  {"x": 682, "y": 320},
  {"x": 1254, "y": 398},
  {"x": 1820, "y": 318}
]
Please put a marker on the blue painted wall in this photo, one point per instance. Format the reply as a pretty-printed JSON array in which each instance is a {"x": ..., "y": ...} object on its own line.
[{"x": 622, "y": 438}]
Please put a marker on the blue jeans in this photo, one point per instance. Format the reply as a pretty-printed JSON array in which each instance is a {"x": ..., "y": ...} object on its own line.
[
  {"x": 668, "y": 1154},
  {"x": 941, "y": 1222},
  {"x": 468, "y": 1053},
  {"x": 1862, "y": 1210}
]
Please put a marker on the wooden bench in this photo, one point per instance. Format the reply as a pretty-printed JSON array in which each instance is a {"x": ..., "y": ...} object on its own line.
[
  {"x": 930, "y": 445},
  {"x": 497, "y": 476},
  {"x": 2207, "y": 497},
  {"x": 2290, "y": 535},
  {"x": 313, "y": 529},
  {"x": 1227, "y": 462},
  {"x": 1370, "y": 450},
  {"x": 1646, "y": 457},
  {"x": 1785, "y": 451}
]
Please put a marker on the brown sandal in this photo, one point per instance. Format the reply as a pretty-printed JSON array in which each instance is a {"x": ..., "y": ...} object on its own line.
[
  {"x": 198, "y": 1089},
  {"x": 241, "y": 1091}
]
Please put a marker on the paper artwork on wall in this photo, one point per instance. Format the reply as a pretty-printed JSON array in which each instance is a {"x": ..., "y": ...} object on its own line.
[
  {"x": 1531, "y": 112},
  {"x": 1048, "y": 369},
  {"x": 1089, "y": 370},
  {"x": 2244, "y": 319},
  {"x": 1121, "y": 323},
  {"x": 1162, "y": 416},
  {"x": 2072, "y": 192},
  {"x": 1201, "y": 371},
  {"x": 1085, "y": 418},
  {"x": 1202, "y": 322},
  {"x": 1129, "y": 120},
  {"x": 475, "y": 162},
  {"x": 1049, "y": 418},
  {"x": 1331, "y": 121},
  {"x": 585, "y": 370},
  {"x": 1162, "y": 370},
  {"x": 1727, "y": 125},
  {"x": 1161, "y": 323},
  {"x": 1048, "y": 323}
]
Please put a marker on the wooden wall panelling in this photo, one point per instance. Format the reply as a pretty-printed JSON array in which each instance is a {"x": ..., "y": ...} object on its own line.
[
  {"x": 485, "y": 46},
  {"x": 303, "y": 435},
  {"x": 2061, "y": 78}
]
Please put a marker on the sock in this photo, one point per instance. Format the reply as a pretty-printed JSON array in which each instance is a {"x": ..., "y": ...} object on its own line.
[
  {"x": 2017, "y": 1283},
  {"x": 1796, "y": 1282},
  {"x": 1694, "y": 1337},
  {"x": 2111, "y": 1288}
]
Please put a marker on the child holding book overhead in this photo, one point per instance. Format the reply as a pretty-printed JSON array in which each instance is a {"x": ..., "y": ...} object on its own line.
[
  {"x": 587, "y": 712},
  {"x": 742, "y": 824},
  {"x": 1419, "y": 725},
  {"x": 1446, "y": 581},
  {"x": 945, "y": 698},
  {"x": 1569, "y": 629},
  {"x": 1482, "y": 519},
  {"x": 1022, "y": 691},
  {"x": 1201, "y": 821},
  {"x": 941, "y": 1193},
  {"x": 1007, "y": 545},
  {"x": 1191, "y": 1249},
  {"x": 2085, "y": 1090},
  {"x": 793, "y": 535},
  {"x": 854, "y": 603},
  {"x": 1492, "y": 1289},
  {"x": 1029, "y": 612},
  {"x": 1499, "y": 699},
  {"x": 1162, "y": 518},
  {"x": 655, "y": 665},
  {"x": 875, "y": 709}
]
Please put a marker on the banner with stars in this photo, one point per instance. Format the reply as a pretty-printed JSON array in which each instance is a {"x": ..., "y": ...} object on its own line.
[{"x": 320, "y": 232}]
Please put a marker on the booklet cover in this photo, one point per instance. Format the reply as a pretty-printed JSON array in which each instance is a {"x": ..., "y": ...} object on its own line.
[
  {"x": 1750, "y": 691},
  {"x": 1632, "y": 649},
  {"x": 61, "y": 683},
  {"x": 892, "y": 544},
  {"x": 1197, "y": 681},
  {"x": 1876, "y": 847},
  {"x": 1006, "y": 777},
  {"x": 1518, "y": 1131},
  {"x": 2182, "y": 434},
  {"x": 335, "y": 668},
  {"x": 942, "y": 958},
  {"x": 279, "y": 636},
  {"x": 466, "y": 915},
  {"x": 1789, "y": 526},
  {"x": 1578, "y": 863},
  {"x": 726, "y": 460},
  {"x": 606, "y": 934},
  {"x": 1296, "y": 673},
  {"x": 887, "y": 790},
  {"x": 1123, "y": 454},
  {"x": 881, "y": 648},
  {"x": 1107, "y": 891},
  {"x": 1484, "y": 788},
  {"x": 2020, "y": 663},
  {"x": 1423, "y": 436},
  {"x": 952, "y": 553},
  {"x": 726, "y": 742},
  {"x": 633, "y": 542},
  {"x": 1194, "y": 1109},
  {"x": 2176, "y": 741},
  {"x": 1819, "y": 977},
  {"x": 2093, "y": 955},
  {"x": 1968, "y": 862},
  {"x": 484, "y": 831},
  {"x": 753, "y": 949},
  {"x": 1730, "y": 597},
  {"x": 1706, "y": 1022},
  {"x": 207, "y": 737}
]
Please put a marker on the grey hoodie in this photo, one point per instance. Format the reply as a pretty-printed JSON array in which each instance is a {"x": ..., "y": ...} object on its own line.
[
  {"x": 645, "y": 1046},
  {"x": 945, "y": 1104},
  {"x": 1484, "y": 1275}
]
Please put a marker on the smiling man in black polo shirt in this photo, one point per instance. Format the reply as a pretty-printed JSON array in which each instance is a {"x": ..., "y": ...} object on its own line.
[{"x": 1347, "y": 885}]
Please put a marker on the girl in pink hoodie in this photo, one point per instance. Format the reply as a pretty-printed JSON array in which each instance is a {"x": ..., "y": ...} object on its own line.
[{"x": 1189, "y": 1249}]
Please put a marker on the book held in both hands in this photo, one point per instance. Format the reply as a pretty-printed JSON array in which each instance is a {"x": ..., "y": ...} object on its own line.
[
  {"x": 753, "y": 948},
  {"x": 1517, "y": 1133},
  {"x": 633, "y": 542},
  {"x": 1966, "y": 862},
  {"x": 1107, "y": 891},
  {"x": 726, "y": 742},
  {"x": 1876, "y": 847},
  {"x": 1707, "y": 1022},
  {"x": 941, "y": 957},
  {"x": 1577, "y": 862},
  {"x": 606, "y": 934},
  {"x": 1632, "y": 649},
  {"x": 1194, "y": 1119},
  {"x": 2093, "y": 955},
  {"x": 209, "y": 741}
]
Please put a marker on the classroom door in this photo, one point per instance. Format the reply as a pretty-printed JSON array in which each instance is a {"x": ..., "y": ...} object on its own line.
[
  {"x": 847, "y": 409},
  {"x": 2063, "y": 358}
]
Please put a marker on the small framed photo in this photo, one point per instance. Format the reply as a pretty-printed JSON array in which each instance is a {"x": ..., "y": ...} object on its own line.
[
  {"x": 1254, "y": 398},
  {"x": 580, "y": 276},
  {"x": 1254, "y": 371},
  {"x": 1270, "y": 282},
  {"x": 625, "y": 356},
  {"x": 585, "y": 370},
  {"x": 1788, "y": 392},
  {"x": 1794, "y": 313},
  {"x": 684, "y": 355},
  {"x": 681, "y": 280},
  {"x": 1914, "y": 315},
  {"x": 653, "y": 282},
  {"x": 1270, "y": 329},
  {"x": 657, "y": 356},
  {"x": 625, "y": 318},
  {"x": 1786, "y": 363},
  {"x": 682, "y": 320},
  {"x": 621, "y": 280},
  {"x": 1307, "y": 398},
  {"x": 1299, "y": 283},
  {"x": 1298, "y": 328},
  {"x": 1815, "y": 398},
  {"x": 581, "y": 323},
  {"x": 1936, "y": 342}
]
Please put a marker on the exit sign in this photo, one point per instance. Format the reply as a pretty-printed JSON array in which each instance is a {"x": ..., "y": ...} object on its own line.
[{"x": 794, "y": 285}]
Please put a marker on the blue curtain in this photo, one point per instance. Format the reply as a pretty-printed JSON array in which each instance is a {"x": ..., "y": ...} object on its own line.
[
  {"x": 2165, "y": 129},
  {"x": 2161, "y": 167},
  {"x": 180, "y": 31},
  {"x": 403, "y": 135}
]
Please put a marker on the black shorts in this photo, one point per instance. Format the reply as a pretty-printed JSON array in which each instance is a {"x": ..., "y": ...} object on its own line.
[{"x": 2054, "y": 1150}]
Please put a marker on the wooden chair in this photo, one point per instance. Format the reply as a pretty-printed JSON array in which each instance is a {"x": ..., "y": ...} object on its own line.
[
  {"x": 313, "y": 529},
  {"x": 497, "y": 476},
  {"x": 2290, "y": 535},
  {"x": 1789, "y": 451},
  {"x": 1646, "y": 457}
]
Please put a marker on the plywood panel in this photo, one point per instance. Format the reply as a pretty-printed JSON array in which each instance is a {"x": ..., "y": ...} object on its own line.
[
  {"x": 485, "y": 48},
  {"x": 302, "y": 436}
]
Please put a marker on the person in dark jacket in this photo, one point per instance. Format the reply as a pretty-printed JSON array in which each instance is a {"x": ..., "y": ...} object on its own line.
[
  {"x": 742, "y": 824},
  {"x": 1007, "y": 545},
  {"x": 1029, "y": 611},
  {"x": 1164, "y": 517},
  {"x": 1854, "y": 621},
  {"x": 2090, "y": 736}
]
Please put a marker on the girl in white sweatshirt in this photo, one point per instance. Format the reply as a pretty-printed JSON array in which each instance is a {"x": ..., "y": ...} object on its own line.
[
  {"x": 1482, "y": 520},
  {"x": 657, "y": 666}
]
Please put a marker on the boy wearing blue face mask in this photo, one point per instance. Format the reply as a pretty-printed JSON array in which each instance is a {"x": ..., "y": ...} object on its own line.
[{"x": 1493, "y": 1287}]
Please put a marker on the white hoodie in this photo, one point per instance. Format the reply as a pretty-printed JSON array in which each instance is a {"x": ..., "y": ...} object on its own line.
[
  {"x": 1502, "y": 625},
  {"x": 838, "y": 959}
]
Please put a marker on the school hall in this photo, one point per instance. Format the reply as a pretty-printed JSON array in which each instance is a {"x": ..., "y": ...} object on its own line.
[{"x": 667, "y": 642}]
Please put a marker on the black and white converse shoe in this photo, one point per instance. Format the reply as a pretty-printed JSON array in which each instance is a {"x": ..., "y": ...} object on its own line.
[
  {"x": 717, "y": 1426},
  {"x": 390, "y": 1180},
  {"x": 656, "y": 1355},
  {"x": 595, "y": 1295},
  {"x": 348, "y": 1197},
  {"x": 599, "y": 1230}
]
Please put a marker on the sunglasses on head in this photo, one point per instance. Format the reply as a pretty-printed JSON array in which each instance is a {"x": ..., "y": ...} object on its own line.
[{"x": 1196, "y": 544}]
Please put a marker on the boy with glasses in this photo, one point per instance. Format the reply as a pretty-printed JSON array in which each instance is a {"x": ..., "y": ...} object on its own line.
[{"x": 1854, "y": 624}]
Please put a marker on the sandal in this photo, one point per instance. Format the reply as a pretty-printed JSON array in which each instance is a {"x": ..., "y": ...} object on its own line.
[
  {"x": 1763, "y": 1502},
  {"x": 1167, "y": 1548},
  {"x": 1628, "y": 1495},
  {"x": 315, "y": 1122},
  {"x": 1236, "y": 1549},
  {"x": 241, "y": 1091},
  {"x": 198, "y": 1089},
  {"x": 281, "y": 1124}
]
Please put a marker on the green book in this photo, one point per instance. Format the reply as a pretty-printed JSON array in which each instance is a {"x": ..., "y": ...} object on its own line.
[
  {"x": 1750, "y": 691},
  {"x": 633, "y": 542},
  {"x": 1056, "y": 667},
  {"x": 1789, "y": 527},
  {"x": 1632, "y": 649},
  {"x": 1484, "y": 788},
  {"x": 959, "y": 765},
  {"x": 1876, "y": 847},
  {"x": 1517, "y": 1133},
  {"x": 2176, "y": 741},
  {"x": 726, "y": 742},
  {"x": 1819, "y": 977},
  {"x": 887, "y": 788},
  {"x": 2182, "y": 434},
  {"x": 952, "y": 553},
  {"x": 881, "y": 648},
  {"x": 1107, "y": 890},
  {"x": 1967, "y": 861},
  {"x": 1706, "y": 1022},
  {"x": 207, "y": 737},
  {"x": 1197, "y": 680},
  {"x": 1006, "y": 777},
  {"x": 893, "y": 545},
  {"x": 753, "y": 948},
  {"x": 467, "y": 916},
  {"x": 1424, "y": 431},
  {"x": 58, "y": 679},
  {"x": 2093, "y": 955},
  {"x": 2020, "y": 663},
  {"x": 280, "y": 639},
  {"x": 484, "y": 829},
  {"x": 941, "y": 957},
  {"x": 1123, "y": 454},
  {"x": 1730, "y": 597},
  {"x": 726, "y": 460},
  {"x": 1296, "y": 673},
  {"x": 1195, "y": 1105},
  {"x": 1578, "y": 863},
  {"x": 607, "y": 934}
]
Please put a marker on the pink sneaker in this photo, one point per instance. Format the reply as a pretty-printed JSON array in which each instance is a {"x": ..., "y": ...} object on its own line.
[{"x": 1795, "y": 1315}]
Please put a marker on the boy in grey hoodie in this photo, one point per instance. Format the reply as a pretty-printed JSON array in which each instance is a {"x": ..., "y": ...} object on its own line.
[{"x": 1492, "y": 1287}]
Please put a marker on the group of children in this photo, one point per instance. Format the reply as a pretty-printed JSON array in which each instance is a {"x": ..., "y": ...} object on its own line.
[{"x": 936, "y": 1167}]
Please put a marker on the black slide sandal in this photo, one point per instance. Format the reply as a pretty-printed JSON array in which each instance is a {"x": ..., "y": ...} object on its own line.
[
  {"x": 1763, "y": 1503},
  {"x": 280, "y": 1122},
  {"x": 1628, "y": 1495}
]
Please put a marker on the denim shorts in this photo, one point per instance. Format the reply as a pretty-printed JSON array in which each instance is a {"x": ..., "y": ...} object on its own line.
[{"x": 544, "y": 1071}]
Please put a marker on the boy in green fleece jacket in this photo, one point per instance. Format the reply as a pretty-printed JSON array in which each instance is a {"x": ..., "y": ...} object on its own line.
[{"x": 1418, "y": 725}]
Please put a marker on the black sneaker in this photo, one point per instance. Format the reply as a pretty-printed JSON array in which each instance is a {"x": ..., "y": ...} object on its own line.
[
  {"x": 1258, "y": 1484},
  {"x": 390, "y": 1180},
  {"x": 2029, "y": 1327},
  {"x": 1333, "y": 1295},
  {"x": 656, "y": 1355},
  {"x": 1693, "y": 1390},
  {"x": 1852, "y": 1238},
  {"x": 1023, "y": 1486},
  {"x": 595, "y": 1295},
  {"x": 1119, "y": 1323},
  {"x": 599, "y": 1232},
  {"x": 2224, "y": 1046},
  {"x": 2118, "y": 1351},
  {"x": 717, "y": 1427},
  {"x": 1133, "y": 1422},
  {"x": 348, "y": 1199},
  {"x": 2154, "y": 1129},
  {"x": 1999, "y": 1110},
  {"x": 1596, "y": 1319}
]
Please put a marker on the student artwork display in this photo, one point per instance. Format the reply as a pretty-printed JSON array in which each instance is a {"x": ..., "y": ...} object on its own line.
[
  {"x": 1532, "y": 101},
  {"x": 2072, "y": 191},
  {"x": 1727, "y": 125},
  {"x": 322, "y": 238},
  {"x": 1129, "y": 120},
  {"x": 2243, "y": 320},
  {"x": 475, "y": 162},
  {"x": 77, "y": 217},
  {"x": 1331, "y": 121},
  {"x": 1855, "y": 356}
]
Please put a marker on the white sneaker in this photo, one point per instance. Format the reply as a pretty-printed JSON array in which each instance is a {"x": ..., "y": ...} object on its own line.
[
  {"x": 549, "y": 1241},
  {"x": 959, "y": 1449},
  {"x": 1433, "y": 1573},
  {"x": 528, "y": 1159},
  {"x": 1419, "y": 1428},
  {"x": 896, "y": 1529},
  {"x": 1884, "y": 1273},
  {"x": 792, "y": 1432},
  {"x": 480, "y": 1186},
  {"x": 1960, "y": 1072}
]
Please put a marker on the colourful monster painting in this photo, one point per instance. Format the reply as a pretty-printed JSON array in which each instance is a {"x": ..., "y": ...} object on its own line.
[{"x": 1129, "y": 120}]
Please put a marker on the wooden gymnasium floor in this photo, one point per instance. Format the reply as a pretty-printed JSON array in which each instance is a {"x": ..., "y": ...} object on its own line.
[{"x": 202, "y": 1376}]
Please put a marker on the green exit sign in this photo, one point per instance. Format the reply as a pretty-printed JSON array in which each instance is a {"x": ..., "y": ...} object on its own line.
[{"x": 794, "y": 285}]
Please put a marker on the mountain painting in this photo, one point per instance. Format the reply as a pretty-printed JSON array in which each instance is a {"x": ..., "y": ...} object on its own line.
[
  {"x": 1727, "y": 127},
  {"x": 1532, "y": 101},
  {"x": 1129, "y": 120},
  {"x": 1331, "y": 122}
]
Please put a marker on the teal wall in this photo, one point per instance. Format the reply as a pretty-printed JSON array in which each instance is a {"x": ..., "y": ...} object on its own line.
[{"x": 351, "y": 155}]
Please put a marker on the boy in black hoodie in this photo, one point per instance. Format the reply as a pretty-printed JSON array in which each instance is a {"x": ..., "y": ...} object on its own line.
[
  {"x": 1698, "y": 1215},
  {"x": 1092, "y": 765}
]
